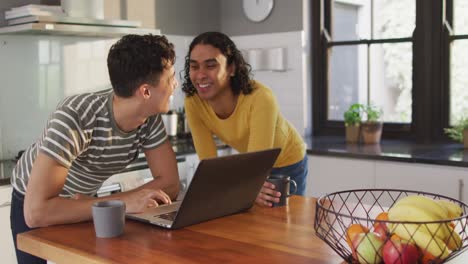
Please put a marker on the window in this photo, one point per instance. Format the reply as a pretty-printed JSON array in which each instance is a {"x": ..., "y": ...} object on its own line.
[
  {"x": 458, "y": 60},
  {"x": 406, "y": 56}
]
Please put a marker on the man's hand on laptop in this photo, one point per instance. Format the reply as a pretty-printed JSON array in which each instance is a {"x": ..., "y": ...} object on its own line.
[
  {"x": 267, "y": 195},
  {"x": 138, "y": 201}
]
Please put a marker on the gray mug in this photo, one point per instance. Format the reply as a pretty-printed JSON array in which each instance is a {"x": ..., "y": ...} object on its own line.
[
  {"x": 282, "y": 184},
  {"x": 109, "y": 218}
]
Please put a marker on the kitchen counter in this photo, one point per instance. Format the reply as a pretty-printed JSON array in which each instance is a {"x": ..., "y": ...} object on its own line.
[
  {"x": 259, "y": 235},
  {"x": 181, "y": 146},
  {"x": 450, "y": 154}
]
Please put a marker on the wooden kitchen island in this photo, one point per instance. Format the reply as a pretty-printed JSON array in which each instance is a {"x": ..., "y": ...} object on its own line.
[{"x": 260, "y": 235}]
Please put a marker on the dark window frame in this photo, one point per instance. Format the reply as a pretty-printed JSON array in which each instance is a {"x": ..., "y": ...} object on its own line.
[{"x": 431, "y": 73}]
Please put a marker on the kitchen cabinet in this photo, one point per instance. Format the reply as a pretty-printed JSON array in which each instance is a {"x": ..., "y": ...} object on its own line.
[
  {"x": 7, "y": 252},
  {"x": 329, "y": 174},
  {"x": 191, "y": 164},
  {"x": 444, "y": 180}
]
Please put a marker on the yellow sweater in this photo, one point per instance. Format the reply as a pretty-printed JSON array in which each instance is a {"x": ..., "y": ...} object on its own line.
[{"x": 255, "y": 124}]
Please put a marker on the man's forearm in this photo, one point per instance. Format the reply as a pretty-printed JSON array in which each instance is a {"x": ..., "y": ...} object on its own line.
[{"x": 60, "y": 210}]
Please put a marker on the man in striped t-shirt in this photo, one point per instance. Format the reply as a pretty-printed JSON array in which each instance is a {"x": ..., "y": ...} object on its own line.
[{"x": 92, "y": 136}]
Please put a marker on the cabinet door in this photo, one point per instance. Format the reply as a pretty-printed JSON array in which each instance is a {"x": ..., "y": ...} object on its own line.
[
  {"x": 444, "y": 180},
  {"x": 191, "y": 166},
  {"x": 7, "y": 252},
  {"x": 224, "y": 152},
  {"x": 182, "y": 169},
  {"x": 330, "y": 174}
]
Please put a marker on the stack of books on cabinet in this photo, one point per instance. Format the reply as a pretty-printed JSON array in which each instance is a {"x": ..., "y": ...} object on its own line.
[{"x": 22, "y": 14}]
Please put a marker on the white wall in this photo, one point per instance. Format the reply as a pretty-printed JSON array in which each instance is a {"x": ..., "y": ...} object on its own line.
[
  {"x": 181, "y": 44},
  {"x": 38, "y": 71},
  {"x": 288, "y": 86}
]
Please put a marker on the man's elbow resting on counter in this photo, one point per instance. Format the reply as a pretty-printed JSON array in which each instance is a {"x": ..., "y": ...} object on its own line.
[{"x": 35, "y": 217}]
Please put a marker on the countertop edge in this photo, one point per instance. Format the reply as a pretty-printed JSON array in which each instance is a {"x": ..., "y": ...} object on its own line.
[
  {"x": 386, "y": 158},
  {"x": 184, "y": 148},
  {"x": 444, "y": 154}
]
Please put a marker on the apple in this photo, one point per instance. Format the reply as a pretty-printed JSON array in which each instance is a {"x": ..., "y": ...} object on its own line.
[
  {"x": 367, "y": 248},
  {"x": 380, "y": 225},
  {"x": 381, "y": 229},
  {"x": 400, "y": 251}
]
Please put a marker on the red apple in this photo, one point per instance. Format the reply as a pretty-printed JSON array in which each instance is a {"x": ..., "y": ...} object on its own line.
[
  {"x": 400, "y": 251},
  {"x": 367, "y": 248},
  {"x": 381, "y": 229},
  {"x": 380, "y": 225}
]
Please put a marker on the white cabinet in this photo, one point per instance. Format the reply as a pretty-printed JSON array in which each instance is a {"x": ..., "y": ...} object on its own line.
[
  {"x": 7, "y": 250},
  {"x": 330, "y": 174},
  {"x": 182, "y": 169},
  {"x": 191, "y": 163},
  {"x": 225, "y": 152},
  {"x": 444, "y": 180}
]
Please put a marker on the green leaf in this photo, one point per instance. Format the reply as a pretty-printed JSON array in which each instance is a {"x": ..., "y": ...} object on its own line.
[
  {"x": 456, "y": 132},
  {"x": 352, "y": 116}
]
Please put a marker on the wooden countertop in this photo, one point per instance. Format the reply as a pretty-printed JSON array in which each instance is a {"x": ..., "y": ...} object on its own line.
[{"x": 260, "y": 235}]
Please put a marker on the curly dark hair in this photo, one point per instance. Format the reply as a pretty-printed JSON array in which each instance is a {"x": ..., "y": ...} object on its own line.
[
  {"x": 241, "y": 79},
  {"x": 138, "y": 59}
]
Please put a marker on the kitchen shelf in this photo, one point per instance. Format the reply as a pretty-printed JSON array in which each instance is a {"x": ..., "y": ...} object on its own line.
[
  {"x": 74, "y": 30},
  {"x": 74, "y": 21}
]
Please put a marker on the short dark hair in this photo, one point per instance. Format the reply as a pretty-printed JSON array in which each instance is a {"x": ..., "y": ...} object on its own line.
[
  {"x": 240, "y": 82},
  {"x": 138, "y": 59}
]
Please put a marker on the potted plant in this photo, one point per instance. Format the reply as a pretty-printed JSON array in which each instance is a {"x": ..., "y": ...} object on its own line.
[
  {"x": 371, "y": 129},
  {"x": 459, "y": 132},
  {"x": 352, "y": 120}
]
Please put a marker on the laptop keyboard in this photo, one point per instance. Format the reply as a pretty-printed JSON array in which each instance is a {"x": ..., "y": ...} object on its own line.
[{"x": 169, "y": 216}]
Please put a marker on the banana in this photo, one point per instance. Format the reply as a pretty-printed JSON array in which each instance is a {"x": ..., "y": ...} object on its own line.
[
  {"x": 454, "y": 210},
  {"x": 409, "y": 212},
  {"x": 413, "y": 233},
  {"x": 453, "y": 241},
  {"x": 427, "y": 204}
]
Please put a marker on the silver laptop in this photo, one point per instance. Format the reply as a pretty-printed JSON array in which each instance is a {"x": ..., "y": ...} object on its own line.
[{"x": 220, "y": 186}]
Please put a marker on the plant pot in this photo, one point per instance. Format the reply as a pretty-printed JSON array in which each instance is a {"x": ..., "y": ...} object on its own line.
[
  {"x": 352, "y": 134},
  {"x": 371, "y": 132},
  {"x": 465, "y": 138}
]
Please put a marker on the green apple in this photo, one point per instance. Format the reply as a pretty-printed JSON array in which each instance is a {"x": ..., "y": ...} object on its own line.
[{"x": 367, "y": 248}]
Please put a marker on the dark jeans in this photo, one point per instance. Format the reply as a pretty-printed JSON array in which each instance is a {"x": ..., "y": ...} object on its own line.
[
  {"x": 18, "y": 225},
  {"x": 297, "y": 172}
]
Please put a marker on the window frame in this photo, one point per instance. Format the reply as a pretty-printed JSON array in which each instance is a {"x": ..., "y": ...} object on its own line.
[{"x": 431, "y": 74}]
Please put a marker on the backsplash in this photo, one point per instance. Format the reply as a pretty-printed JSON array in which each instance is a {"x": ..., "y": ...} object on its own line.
[
  {"x": 289, "y": 85},
  {"x": 37, "y": 71}
]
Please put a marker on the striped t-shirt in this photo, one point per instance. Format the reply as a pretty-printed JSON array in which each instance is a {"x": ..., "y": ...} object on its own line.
[{"x": 83, "y": 137}]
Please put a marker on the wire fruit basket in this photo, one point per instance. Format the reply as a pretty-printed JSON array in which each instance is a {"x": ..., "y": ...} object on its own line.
[{"x": 360, "y": 226}]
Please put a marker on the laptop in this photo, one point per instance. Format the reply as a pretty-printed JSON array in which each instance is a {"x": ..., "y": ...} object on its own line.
[{"x": 220, "y": 186}]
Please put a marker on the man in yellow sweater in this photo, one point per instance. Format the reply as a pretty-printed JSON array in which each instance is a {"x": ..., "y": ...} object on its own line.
[{"x": 222, "y": 100}]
